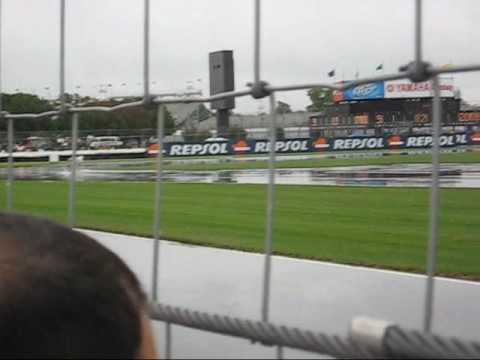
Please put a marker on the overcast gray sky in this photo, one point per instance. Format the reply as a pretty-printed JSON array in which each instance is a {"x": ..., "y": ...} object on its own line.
[{"x": 301, "y": 41}]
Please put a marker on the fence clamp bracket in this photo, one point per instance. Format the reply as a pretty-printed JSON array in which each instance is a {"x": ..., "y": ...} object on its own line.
[
  {"x": 259, "y": 89},
  {"x": 148, "y": 102},
  {"x": 370, "y": 332},
  {"x": 417, "y": 71}
]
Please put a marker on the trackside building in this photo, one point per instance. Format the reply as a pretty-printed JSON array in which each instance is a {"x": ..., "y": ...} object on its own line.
[{"x": 389, "y": 108}]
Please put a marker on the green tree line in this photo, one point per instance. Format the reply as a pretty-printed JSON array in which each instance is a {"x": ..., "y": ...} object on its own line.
[{"x": 130, "y": 118}]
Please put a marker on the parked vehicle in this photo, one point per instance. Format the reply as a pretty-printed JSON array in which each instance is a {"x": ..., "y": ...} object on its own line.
[
  {"x": 131, "y": 143},
  {"x": 35, "y": 143},
  {"x": 65, "y": 143},
  {"x": 105, "y": 142},
  {"x": 215, "y": 139}
]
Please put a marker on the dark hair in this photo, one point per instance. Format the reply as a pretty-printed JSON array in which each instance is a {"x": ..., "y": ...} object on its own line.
[{"x": 63, "y": 295}]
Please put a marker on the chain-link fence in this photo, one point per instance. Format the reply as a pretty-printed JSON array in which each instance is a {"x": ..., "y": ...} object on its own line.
[{"x": 368, "y": 338}]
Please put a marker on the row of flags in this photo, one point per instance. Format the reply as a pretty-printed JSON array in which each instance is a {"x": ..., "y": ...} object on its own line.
[
  {"x": 379, "y": 67},
  {"x": 331, "y": 73}
]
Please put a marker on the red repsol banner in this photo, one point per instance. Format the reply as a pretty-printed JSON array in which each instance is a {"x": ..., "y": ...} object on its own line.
[{"x": 321, "y": 144}]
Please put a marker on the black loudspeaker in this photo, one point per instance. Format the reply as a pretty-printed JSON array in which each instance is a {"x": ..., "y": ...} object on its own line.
[{"x": 222, "y": 78}]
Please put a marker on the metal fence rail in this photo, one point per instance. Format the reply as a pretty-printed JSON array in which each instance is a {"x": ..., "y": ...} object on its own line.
[{"x": 400, "y": 343}]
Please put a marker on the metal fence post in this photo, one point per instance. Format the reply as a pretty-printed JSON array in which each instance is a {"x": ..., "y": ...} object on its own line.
[
  {"x": 10, "y": 175},
  {"x": 256, "y": 41},
  {"x": 158, "y": 200},
  {"x": 418, "y": 31},
  {"x": 73, "y": 173},
  {"x": 269, "y": 214},
  {"x": 10, "y": 169},
  {"x": 268, "y": 248},
  {"x": 434, "y": 204},
  {"x": 62, "y": 57},
  {"x": 157, "y": 223},
  {"x": 146, "y": 50}
]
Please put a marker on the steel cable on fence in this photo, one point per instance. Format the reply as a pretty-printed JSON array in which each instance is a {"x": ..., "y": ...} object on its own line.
[
  {"x": 400, "y": 343},
  {"x": 396, "y": 343},
  {"x": 265, "y": 333}
]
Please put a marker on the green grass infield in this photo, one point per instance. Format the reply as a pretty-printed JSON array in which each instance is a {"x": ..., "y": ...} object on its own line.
[{"x": 379, "y": 227}]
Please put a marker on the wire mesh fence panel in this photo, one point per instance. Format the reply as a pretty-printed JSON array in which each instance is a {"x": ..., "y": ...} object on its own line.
[{"x": 375, "y": 340}]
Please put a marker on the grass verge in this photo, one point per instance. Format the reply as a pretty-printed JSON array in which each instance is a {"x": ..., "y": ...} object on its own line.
[
  {"x": 381, "y": 227},
  {"x": 250, "y": 161},
  {"x": 463, "y": 158}
]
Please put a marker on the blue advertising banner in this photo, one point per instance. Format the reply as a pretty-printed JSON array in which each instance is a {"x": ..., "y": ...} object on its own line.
[
  {"x": 423, "y": 141},
  {"x": 389, "y": 142},
  {"x": 281, "y": 146},
  {"x": 198, "y": 149},
  {"x": 320, "y": 144},
  {"x": 367, "y": 91}
]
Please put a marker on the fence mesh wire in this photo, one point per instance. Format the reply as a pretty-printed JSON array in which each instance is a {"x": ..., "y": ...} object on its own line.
[{"x": 404, "y": 343}]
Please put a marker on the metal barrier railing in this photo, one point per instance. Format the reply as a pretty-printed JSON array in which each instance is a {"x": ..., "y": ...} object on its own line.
[{"x": 417, "y": 70}]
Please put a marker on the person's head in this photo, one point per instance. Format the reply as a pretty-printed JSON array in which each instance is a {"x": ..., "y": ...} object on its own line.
[{"x": 63, "y": 295}]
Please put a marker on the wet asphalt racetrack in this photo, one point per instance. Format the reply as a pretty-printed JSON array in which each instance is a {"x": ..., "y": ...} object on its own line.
[
  {"x": 404, "y": 175},
  {"x": 312, "y": 295}
]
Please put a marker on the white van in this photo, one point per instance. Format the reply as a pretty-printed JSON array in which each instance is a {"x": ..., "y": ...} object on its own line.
[{"x": 105, "y": 142}]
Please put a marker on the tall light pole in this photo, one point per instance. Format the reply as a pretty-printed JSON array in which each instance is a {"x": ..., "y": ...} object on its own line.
[{"x": 199, "y": 81}]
